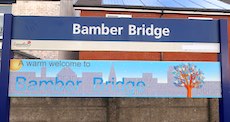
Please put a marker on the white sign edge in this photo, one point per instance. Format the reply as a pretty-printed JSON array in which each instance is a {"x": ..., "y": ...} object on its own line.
[{"x": 73, "y": 45}]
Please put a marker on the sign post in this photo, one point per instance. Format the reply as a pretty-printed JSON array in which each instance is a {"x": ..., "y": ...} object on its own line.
[
  {"x": 5, "y": 67},
  {"x": 224, "y": 55}
]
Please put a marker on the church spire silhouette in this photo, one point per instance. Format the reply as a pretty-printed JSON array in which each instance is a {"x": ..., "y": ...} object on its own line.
[{"x": 112, "y": 74}]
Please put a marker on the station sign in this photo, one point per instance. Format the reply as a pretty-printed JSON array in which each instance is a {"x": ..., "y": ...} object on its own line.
[
  {"x": 84, "y": 78},
  {"x": 115, "y": 29},
  {"x": 114, "y": 34}
]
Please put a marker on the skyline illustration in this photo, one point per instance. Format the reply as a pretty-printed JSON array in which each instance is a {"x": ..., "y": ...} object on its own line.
[
  {"x": 159, "y": 68},
  {"x": 145, "y": 84}
]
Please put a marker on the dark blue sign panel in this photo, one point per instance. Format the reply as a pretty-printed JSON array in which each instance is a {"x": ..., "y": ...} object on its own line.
[{"x": 115, "y": 29}]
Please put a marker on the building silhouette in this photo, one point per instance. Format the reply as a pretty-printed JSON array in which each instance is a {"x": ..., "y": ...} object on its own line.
[{"x": 88, "y": 86}]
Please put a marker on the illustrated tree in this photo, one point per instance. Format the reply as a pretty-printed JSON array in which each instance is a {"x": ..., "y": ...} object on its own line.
[{"x": 188, "y": 76}]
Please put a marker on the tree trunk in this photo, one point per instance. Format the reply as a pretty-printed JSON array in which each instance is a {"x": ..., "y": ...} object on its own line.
[{"x": 189, "y": 92}]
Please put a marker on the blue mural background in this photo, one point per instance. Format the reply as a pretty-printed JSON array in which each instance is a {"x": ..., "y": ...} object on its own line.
[{"x": 99, "y": 78}]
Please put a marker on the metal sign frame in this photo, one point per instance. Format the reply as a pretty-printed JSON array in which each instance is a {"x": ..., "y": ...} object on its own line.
[{"x": 7, "y": 55}]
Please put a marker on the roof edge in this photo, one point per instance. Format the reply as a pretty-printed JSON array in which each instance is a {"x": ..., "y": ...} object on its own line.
[{"x": 154, "y": 8}]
